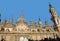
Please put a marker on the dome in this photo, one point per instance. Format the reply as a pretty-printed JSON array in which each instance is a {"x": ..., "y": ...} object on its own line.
[{"x": 21, "y": 20}]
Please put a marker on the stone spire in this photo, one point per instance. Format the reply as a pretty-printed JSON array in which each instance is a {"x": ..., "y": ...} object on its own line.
[
  {"x": 31, "y": 22},
  {"x": 50, "y": 5},
  {"x": 22, "y": 17},
  {"x": 52, "y": 11},
  {"x": 40, "y": 23},
  {"x": 4, "y": 21},
  {"x": 55, "y": 19},
  {"x": 46, "y": 24},
  {"x": 11, "y": 21}
]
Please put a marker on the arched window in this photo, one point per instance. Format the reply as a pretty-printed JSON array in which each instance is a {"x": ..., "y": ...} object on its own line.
[
  {"x": 38, "y": 30},
  {"x": 2, "y": 29},
  {"x": 21, "y": 38},
  {"x": 33, "y": 30},
  {"x": 25, "y": 39},
  {"x": 47, "y": 30},
  {"x": 8, "y": 30}
]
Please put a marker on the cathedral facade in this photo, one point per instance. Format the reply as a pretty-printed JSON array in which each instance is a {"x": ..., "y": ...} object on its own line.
[{"x": 23, "y": 32}]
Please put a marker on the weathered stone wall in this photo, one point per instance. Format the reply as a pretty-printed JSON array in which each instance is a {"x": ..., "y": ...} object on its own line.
[{"x": 32, "y": 36}]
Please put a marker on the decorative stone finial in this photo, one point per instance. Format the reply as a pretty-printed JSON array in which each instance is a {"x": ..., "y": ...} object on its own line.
[
  {"x": 22, "y": 16},
  {"x": 31, "y": 22},
  {"x": 40, "y": 22},
  {"x": 46, "y": 23},
  {"x": 11, "y": 21},
  {"x": 4, "y": 21},
  {"x": 50, "y": 5}
]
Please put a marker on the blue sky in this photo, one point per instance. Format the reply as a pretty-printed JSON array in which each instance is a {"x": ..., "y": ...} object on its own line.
[{"x": 32, "y": 9}]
